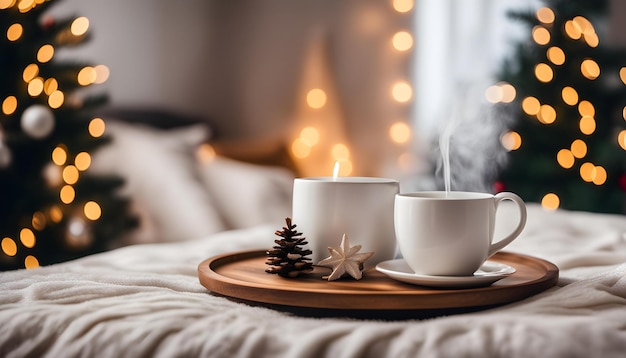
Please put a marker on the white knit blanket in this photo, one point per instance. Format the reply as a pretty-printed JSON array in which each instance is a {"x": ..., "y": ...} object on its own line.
[{"x": 146, "y": 300}]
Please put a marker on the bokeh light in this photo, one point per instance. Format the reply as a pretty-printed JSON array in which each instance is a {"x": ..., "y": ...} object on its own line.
[
  {"x": 511, "y": 140},
  {"x": 316, "y": 98},
  {"x": 531, "y": 106},
  {"x": 541, "y": 35},
  {"x": 96, "y": 127},
  {"x": 402, "y": 41},
  {"x": 92, "y": 210},
  {"x": 579, "y": 148},
  {"x": 565, "y": 158},
  {"x": 400, "y": 132},
  {"x": 590, "y": 69},
  {"x": 403, "y": 5},
  {"x": 550, "y": 201},
  {"x": 556, "y": 55},
  {"x": 569, "y": 95},
  {"x": 544, "y": 72},
  {"x": 545, "y": 15},
  {"x": 402, "y": 92}
]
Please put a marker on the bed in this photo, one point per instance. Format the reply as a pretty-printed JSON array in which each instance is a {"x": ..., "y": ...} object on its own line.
[{"x": 145, "y": 299}]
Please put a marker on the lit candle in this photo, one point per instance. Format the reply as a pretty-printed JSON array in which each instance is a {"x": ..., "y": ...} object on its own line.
[{"x": 325, "y": 208}]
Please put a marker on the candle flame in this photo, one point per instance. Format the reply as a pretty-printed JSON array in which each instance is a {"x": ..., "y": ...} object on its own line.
[{"x": 336, "y": 170}]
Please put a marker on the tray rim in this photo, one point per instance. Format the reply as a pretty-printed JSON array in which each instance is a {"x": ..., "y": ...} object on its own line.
[{"x": 403, "y": 299}]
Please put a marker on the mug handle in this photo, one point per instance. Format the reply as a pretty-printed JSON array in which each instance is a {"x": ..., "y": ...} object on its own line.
[{"x": 505, "y": 195}]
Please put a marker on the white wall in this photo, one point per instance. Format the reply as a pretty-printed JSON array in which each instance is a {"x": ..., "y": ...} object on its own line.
[{"x": 157, "y": 50}]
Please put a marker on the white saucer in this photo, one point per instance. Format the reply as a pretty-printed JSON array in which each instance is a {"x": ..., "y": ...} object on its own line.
[{"x": 487, "y": 274}]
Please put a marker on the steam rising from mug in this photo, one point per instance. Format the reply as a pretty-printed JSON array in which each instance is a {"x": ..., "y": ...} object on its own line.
[{"x": 469, "y": 144}]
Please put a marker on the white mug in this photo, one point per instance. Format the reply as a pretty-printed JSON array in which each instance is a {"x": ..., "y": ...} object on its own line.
[
  {"x": 325, "y": 208},
  {"x": 450, "y": 234}
]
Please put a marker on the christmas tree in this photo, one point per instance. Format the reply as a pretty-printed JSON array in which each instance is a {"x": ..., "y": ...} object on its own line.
[
  {"x": 567, "y": 141},
  {"x": 51, "y": 208}
]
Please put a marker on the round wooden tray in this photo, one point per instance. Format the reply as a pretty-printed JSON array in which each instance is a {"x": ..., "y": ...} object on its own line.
[{"x": 242, "y": 275}]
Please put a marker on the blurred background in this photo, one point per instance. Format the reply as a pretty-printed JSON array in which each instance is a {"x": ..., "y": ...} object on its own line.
[{"x": 519, "y": 95}]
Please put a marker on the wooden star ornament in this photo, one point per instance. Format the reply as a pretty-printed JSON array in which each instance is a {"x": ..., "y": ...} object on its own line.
[{"x": 345, "y": 260}]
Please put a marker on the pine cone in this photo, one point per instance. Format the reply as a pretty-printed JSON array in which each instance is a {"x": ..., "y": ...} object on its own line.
[{"x": 288, "y": 258}]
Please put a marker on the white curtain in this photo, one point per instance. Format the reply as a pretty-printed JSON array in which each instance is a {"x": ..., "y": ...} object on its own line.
[{"x": 459, "y": 44}]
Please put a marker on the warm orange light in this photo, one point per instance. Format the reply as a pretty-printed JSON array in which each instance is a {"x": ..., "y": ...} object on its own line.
[
  {"x": 569, "y": 95},
  {"x": 31, "y": 262},
  {"x": 9, "y": 105},
  {"x": 38, "y": 221},
  {"x": 400, "y": 132},
  {"x": 56, "y": 214},
  {"x": 531, "y": 106},
  {"x": 550, "y": 201},
  {"x": 70, "y": 174},
  {"x": 9, "y": 247},
  {"x": 86, "y": 76},
  {"x": 573, "y": 30},
  {"x": 586, "y": 108},
  {"x": 35, "y": 87},
  {"x": 403, "y": 5},
  {"x": 59, "y": 155},
  {"x": 621, "y": 139},
  {"x": 310, "y": 135},
  {"x": 402, "y": 41},
  {"x": 587, "y": 172},
  {"x": 14, "y": 32},
  {"x": 27, "y": 238},
  {"x": 592, "y": 39},
  {"x": 340, "y": 152},
  {"x": 30, "y": 72},
  {"x": 543, "y": 72},
  {"x": 97, "y": 127},
  {"x": 300, "y": 149},
  {"x": 599, "y": 175},
  {"x": 79, "y": 26},
  {"x": 511, "y": 141},
  {"x": 541, "y": 35},
  {"x": 67, "y": 194},
  {"x": 565, "y": 158},
  {"x": 508, "y": 93},
  {"x": 587, "y": 125},
  {"x": 56, "y": 99},
  {"x": 5, "y": 4},
  {"x": 45, "y": 53},
  {"x": 92, "y": 210},
  {"x": 50, "y": 86},
  {"x": 316, "y": 98},
  {"x": 556, "y": 55},
  {"x": 579, "y": 148},
  {"x": 402, "y": 92},
  {"x": 205, "y": 153},
  {"x": 590, "y": 69},
  {"x": 545, "y": 15},
  {"x": 547, "y": 114},
  {"x": 622, "y": 74}
]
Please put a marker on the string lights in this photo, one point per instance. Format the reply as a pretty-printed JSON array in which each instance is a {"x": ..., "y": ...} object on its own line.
[
  {"x": 36, "y": 104},
  {"x": 317, "y": 140},
  {"x": 575, "y": 155}
]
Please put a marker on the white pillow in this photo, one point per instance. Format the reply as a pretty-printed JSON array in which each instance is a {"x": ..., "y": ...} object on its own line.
[
  {"x": 160, "y": 170},
  {"x": 248, "y": 194}
]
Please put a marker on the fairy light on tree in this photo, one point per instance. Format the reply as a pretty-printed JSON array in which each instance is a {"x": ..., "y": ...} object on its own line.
[
  {"x": 569, "y": 112},
  {"x": 52, "y": 209}
]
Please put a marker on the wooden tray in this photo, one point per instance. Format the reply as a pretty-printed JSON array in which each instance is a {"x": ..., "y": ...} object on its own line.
[{"x": 242, "y": 275}]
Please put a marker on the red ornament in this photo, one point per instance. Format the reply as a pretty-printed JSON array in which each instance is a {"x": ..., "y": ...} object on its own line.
[
  {"x": 48, "y": 22},
  {"x": 622, "y": 182},
  {"x": 499, "y": 186}
]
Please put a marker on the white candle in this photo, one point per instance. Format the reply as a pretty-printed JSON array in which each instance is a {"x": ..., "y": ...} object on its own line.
[{"x": 325, "y": 208}]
